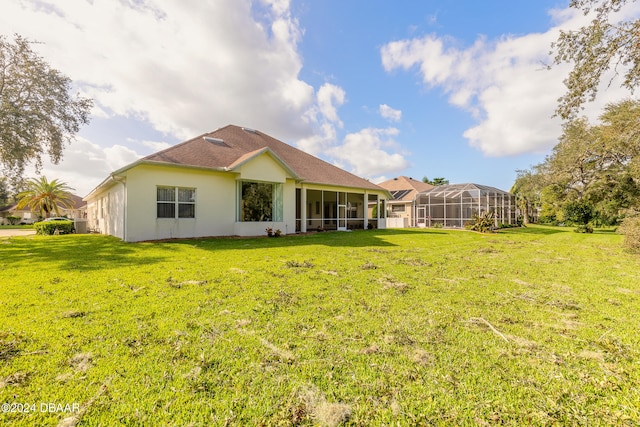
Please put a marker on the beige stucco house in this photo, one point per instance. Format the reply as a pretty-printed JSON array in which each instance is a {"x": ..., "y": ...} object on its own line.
[
  {"x": 404, "y": 190},
  {"x": 232, "y": 181}
]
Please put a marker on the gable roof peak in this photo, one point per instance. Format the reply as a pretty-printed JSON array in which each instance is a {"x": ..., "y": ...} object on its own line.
[{"x": 231, "y": 145}]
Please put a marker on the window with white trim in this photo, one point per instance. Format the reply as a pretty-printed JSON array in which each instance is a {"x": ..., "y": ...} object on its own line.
[{"x": 176, "y": 202}]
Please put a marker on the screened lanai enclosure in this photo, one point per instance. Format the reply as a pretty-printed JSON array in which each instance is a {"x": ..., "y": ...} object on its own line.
[
  {"x": 338, "y": 210},
  {"x": 455, "y": 205}
]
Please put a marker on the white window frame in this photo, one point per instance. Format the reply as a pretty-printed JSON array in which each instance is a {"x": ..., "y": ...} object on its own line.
[{"x": 176, "y": 202}]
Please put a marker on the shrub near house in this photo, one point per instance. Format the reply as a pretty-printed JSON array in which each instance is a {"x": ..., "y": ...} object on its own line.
[
  {"x": 13, "y": 220},
  {"x": 49, "y": 228}
]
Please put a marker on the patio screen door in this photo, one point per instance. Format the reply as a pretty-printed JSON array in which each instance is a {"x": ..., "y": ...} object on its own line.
[
  {"x": 342, "y": 211},
  {"x": 421, "y": 216}
]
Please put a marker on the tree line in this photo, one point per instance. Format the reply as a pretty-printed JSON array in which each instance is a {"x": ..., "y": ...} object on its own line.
[{"x": 592, "y": 175}]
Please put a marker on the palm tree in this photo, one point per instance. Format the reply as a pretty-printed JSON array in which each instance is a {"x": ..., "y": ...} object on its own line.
[{"x": 45, "y": 197}]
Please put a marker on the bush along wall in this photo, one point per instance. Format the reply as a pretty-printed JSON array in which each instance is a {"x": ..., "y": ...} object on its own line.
[{"x": 49, "y": 228}]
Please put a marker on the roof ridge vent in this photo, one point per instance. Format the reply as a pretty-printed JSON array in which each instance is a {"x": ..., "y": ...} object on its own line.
[
  {"x": 213, "y": 140},
  {"x": 250, "y": 130}
]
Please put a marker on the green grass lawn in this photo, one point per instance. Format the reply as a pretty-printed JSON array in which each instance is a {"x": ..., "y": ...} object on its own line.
[{"x": 536, "y": 326}]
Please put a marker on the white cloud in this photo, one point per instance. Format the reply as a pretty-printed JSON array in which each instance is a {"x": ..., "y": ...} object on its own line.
[
  {"x": 382, "y": 152},
  {"x": 118, "y": 156},
  {"x": 325, "y": 119},
  {"x": 322, "y": 140},
  {"x": 156, "y": 145},
  {"x": 376, "y": 143},
  {"x": 329, "y": 98},
  {"x": 185, "y": 68},
  {"x": 280, "y": 6},
  {"x": 86, "y": 164},
  {"x": 503, "y": 84},
  {"x": 190, "y": 68},
  {"x": 390, "y": 113}
]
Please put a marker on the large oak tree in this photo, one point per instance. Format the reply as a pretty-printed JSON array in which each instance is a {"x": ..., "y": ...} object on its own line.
[
  {"x": 606, "y": 43},
  {"x": 591, "y": 166},
  {"x": 38, "y": 114}
]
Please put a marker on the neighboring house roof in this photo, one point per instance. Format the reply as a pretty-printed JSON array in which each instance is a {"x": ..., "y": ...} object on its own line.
[
  {"x": 12, "y": 208},
  {"x": 404, "y": 188},
  {"x": 76, "y": 203},
  {"x": 399, "y": 194},
  {"x": 231, "y": 146}
]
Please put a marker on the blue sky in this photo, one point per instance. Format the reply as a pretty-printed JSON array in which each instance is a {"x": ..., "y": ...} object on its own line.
[{"x": 380, "y": 88}]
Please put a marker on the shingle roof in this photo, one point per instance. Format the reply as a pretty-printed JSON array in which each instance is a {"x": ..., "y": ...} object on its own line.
[
  {"x": 231, "y": 145},
  {"x": 405, "y": 188},
  {"x": 77, "y": 201},
  {"x": 399, "y": 194}
]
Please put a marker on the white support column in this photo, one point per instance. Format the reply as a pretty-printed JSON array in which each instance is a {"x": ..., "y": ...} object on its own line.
[
  {"x": 365, "y": 210},
  {"x": 487, "y": 202},
  {"x": 303, "y": 209},
  {"x": 414, "y": 213},
  {"x": 429, "y": 212},
  {"x": 444, "y": 204},
  {"x": 461, "y": 216},
  {"x": 503, "y": 221},
  {"x": 495, "y": 207},
  {"x": 382, "y": 214}
]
